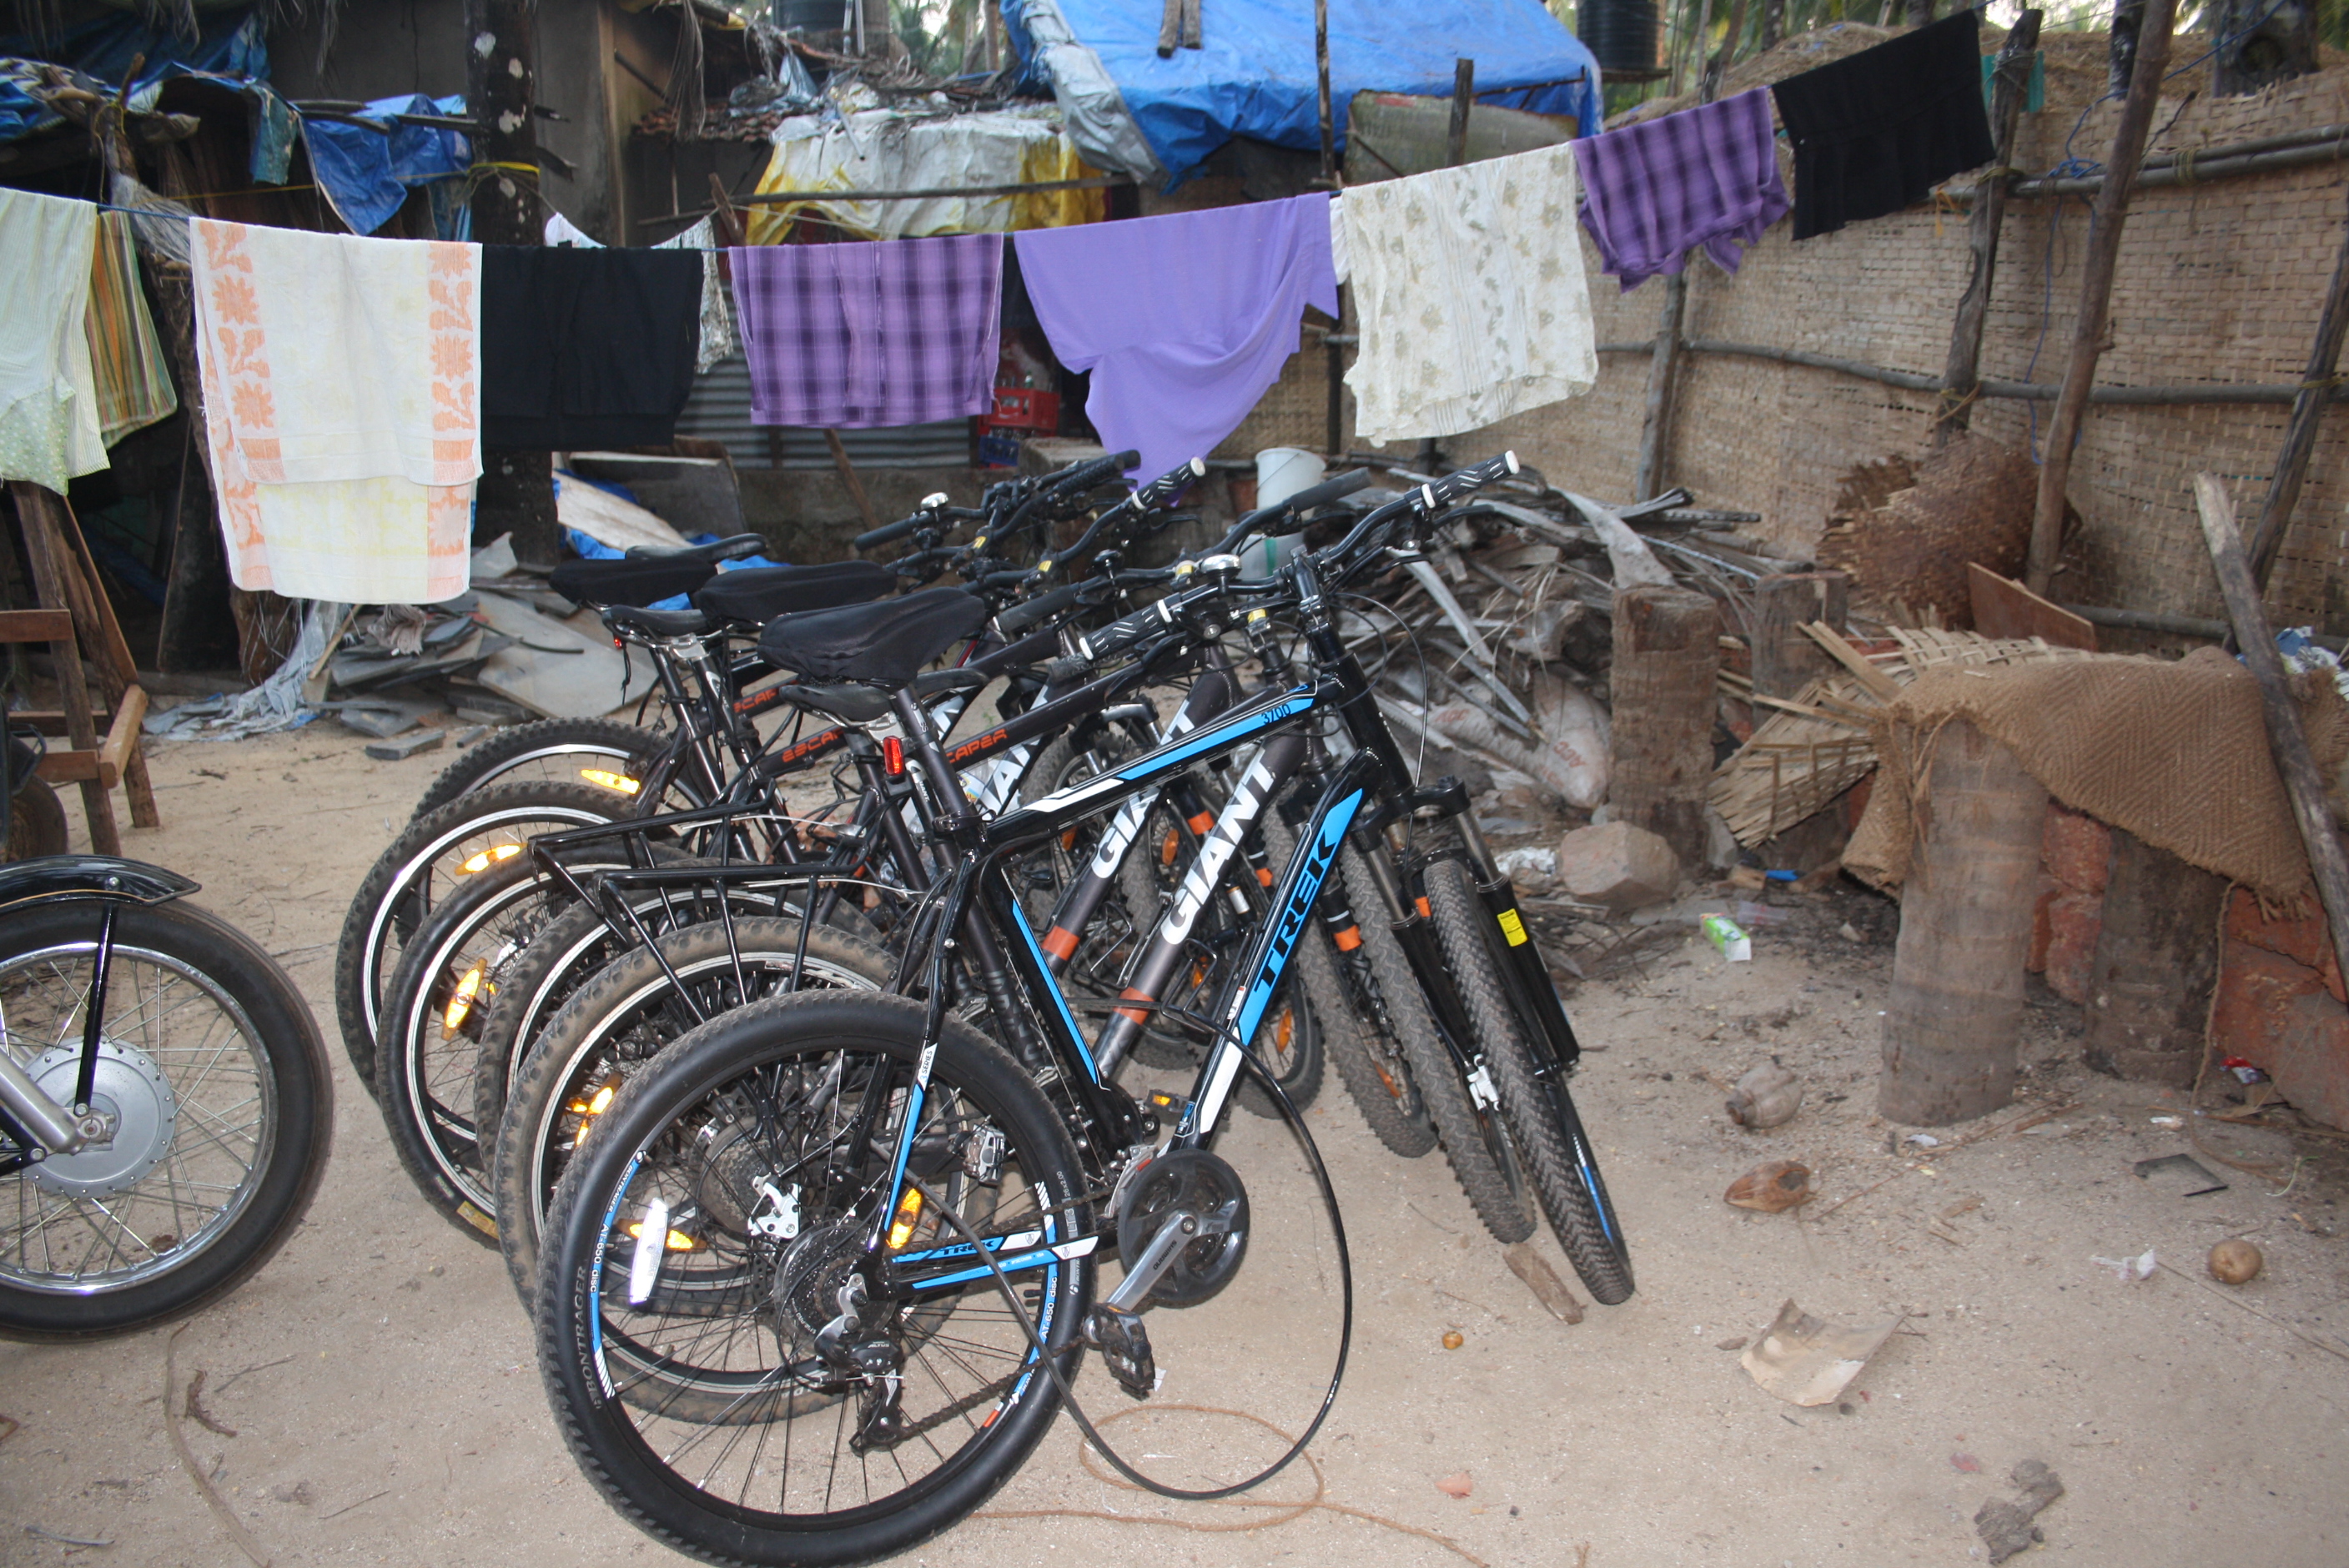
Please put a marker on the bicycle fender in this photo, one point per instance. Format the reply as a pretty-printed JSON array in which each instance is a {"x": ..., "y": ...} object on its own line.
[{"x": 106, "y": 877}]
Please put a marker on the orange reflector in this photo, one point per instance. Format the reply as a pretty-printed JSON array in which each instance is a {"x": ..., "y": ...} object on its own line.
[
  {"x": 488, "y": 858},
  {"x": 1134, "y": 1014},
  {"x": 1264, "y": 875},
  {"x": 1201, "y": 823},
  {"x": 1424, "y": 913},
  {"x": 604, "y": 778},
  {"x": 1349, "y": 939},
  {"x": 1061, "y": 943},
  {"x": 909, "y": 1211},
  {"x": 1166, "y": 851},
  {"x": 462, "y": 1003},
  {"x": 892, "y": 757},
  {"x": 677, "y": 1240}
]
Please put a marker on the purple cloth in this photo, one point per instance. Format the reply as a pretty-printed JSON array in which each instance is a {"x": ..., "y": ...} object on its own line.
[
  {"x": 1656, "y": 191},
  {"x": 1184, "y": 319},
  {"x": 848, "y": 337}
]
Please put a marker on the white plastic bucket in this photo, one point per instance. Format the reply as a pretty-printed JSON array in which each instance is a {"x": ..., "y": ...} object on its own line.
[{"x": 1282, "y": 471}]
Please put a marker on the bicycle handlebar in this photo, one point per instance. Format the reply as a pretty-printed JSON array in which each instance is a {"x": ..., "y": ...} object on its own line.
[
  {"x": 1020, "y": 617},
  {"x": 1303, "y": 501},
  {"x": 890, "y": 531}
]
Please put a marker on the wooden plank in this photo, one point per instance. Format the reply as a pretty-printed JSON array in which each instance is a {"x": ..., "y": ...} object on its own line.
[
  {"x": 69, "y": 768},
  {"x": 46, "y": 553},
  {"x": 35, "y": 625},
  {"x": 121, "y": 736},
  {"x": 97, "y": 628},
  {"x": 2005, "y": 608},
  {"x": 2327, "y": 863},
  {"x": 1881, "y": 686},
  {"x": 1784, "y": 660}
]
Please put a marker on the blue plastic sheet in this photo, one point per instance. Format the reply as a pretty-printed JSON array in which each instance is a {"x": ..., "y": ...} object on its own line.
[
  {"x": 367, "y": 174},
  {"x": 229, "y": 45},
  {"x": 1255, "y": 76}
]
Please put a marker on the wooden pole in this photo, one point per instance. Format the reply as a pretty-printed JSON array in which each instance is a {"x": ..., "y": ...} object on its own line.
[
  {"x": 2010, "y": 86},
  {"x": 2307, "y": 412},
  {"x": 1663, "y": 370},
  {"x": 2155, "y": 963},
  {"x": 1463, "y": 99},
  {"x": 1322, "y": 76},
  {"x": 1786, "y": 657},
  {"x": 1667, "y": 660},
  {"x": 1954, "y": 1015},
  {"x": 2097, "y": 289},
  {"x": 2286, "y": 734},
  {"x": 849, "y": 480}
]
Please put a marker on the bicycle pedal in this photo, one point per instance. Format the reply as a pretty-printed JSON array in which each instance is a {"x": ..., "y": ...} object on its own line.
[{"x": 1124, "y": 1347}]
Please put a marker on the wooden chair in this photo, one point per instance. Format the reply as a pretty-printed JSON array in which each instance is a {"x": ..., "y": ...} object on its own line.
[{"x": 74, "y": 615}]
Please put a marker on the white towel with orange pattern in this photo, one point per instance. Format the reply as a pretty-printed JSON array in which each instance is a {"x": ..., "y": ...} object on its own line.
[{"x": 342, "y": 400}]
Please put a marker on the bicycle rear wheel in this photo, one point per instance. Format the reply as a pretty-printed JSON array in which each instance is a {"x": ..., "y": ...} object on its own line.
[
  {"x": 686, "y": 1373},
  {"x": 1550, "y": 1143}
]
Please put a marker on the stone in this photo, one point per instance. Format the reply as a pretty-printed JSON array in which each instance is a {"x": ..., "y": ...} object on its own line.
[
  {"x": 2276, "y": 1015},
  {"x": 1617, "y": 865},
  {"x": 407, "y": 745},
  {"x": 2074, "y": 921},
  {"x": 2306, "y": 941},
  {"x": 2076, "y": 850}
]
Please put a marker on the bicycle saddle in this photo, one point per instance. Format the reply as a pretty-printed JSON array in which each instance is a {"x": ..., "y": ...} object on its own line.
[
  {"x": 845, "y": 704},
  {"x": 656, "y": 622},
  {"x": 638, "y": 582},
  {"x": 884, "y": 644},
  {"x": 755, "y": 596}
]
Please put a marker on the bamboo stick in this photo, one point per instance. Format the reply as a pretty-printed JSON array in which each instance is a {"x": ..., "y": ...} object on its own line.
[
  {"x": 2097, "y": 289},
  {"x": 1964, "y": 367},
  {"x": 2307, "y": 411}
]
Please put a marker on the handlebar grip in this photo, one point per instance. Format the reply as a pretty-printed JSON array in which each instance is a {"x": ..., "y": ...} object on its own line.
[
  {"x": 1086, "y": 475},
  {"x": 889, "y": 531},
  {"x": 1169, "y": 485},
  {"x": 1010, "y": 579},
  {"x": 1122, "y": 634},
  {"x": 1020, "y": 617},
  {"x": 1475, "y": 477},
  {"x": 1328, "y": 491}
]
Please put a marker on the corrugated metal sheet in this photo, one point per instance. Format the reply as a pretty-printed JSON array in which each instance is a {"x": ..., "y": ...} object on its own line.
[{"x": 719, "y": 410}]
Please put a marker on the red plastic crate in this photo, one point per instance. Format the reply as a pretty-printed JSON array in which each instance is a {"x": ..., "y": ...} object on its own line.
[{"x": 1026, "y": 408}]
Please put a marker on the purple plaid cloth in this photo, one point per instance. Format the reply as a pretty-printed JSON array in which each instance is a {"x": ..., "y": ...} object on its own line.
[
  {"x": 1706, "y": 176},
  {"x": 846, "y": 337}
]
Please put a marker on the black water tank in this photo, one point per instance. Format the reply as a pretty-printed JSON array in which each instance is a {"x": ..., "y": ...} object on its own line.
[
  {"x": 811, "y": 16},
  {"x": 1626, "y": 36}
]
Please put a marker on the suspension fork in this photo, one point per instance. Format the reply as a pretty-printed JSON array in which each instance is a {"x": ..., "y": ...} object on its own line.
[{"x": 1522, "y": 964}]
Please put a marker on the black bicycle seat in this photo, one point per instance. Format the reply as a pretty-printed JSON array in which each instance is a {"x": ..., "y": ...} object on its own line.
[
  {"x": 657, "y": 623},
  {"x": 848, "y": 704},
  {"x": 755, "y": 596},
  {"x": 635, "y": 582},
  {"x": 885, "y": 643},
  {"x": 729, "y": 549}
]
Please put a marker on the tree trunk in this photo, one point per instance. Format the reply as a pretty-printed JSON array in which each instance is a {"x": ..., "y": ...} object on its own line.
[
  {"x": 1962, "y": 371},
  {"x": 516, "y": 493},
  {"x": 1666, "y": 658},
  {"x": 1955, "y": 1008},
  {"x": 2156, "y": 961}
]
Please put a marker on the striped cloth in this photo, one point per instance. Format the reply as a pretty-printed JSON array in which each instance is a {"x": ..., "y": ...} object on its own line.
[
  {"x": 1705, "y": 178},
  {"x": 857, "y": 336},
  {"x": 134, "y": 381}
]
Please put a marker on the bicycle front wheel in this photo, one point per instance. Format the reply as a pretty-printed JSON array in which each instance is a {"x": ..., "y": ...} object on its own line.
[
  {"x": 747, "y": 1385},
  {"x": 1539, "y": 1112}
]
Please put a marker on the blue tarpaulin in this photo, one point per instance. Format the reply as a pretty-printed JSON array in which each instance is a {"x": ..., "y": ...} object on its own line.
[
  {"x": 367, "y": 174},
  {"x": 1255, "y": 75},
  {"x": 230, "y": 45}
]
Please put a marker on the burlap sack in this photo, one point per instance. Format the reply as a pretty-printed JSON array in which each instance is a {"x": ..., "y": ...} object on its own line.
[{"x": 2175, "y": 753}]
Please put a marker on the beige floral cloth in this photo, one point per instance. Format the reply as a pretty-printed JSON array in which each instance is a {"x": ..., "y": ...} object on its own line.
[
  {"x": 342, "y": 399},
  {"x": 1469, "y": 286},
  {"x": 50, "y": 428}
]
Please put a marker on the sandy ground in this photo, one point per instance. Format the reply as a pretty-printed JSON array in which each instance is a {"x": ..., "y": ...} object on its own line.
[{"x": 374, "y": 1397}]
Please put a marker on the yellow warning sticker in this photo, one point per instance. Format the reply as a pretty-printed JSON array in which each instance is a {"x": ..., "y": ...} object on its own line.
[{"x": 1513, "y": 928}]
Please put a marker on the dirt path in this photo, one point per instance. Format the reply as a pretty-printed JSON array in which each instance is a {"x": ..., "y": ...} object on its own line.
[{"x": 378, "y": 1379}]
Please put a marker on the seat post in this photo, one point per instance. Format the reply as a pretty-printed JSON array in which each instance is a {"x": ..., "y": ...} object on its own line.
[{"x": 955, "y": 814}]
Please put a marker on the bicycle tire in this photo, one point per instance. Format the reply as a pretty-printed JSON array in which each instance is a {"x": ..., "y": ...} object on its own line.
[
  {"x": 1379, "y": 1086},
  {"x": 1498, "y": 1202},
  {"x": 1562, "y": 1166},
  {"x": 634, "y": 1457},
  {"x": 387, "y": 908},
  {"x": 540, "y": 1114},
  {"x": 293, "y": 1089},
  {"x": 494, "y": 758},
  {"x": 427, "y": 1049}
]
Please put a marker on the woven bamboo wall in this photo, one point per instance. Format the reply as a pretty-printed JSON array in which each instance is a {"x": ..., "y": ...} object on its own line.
[{"x": 2219, "y": 282}]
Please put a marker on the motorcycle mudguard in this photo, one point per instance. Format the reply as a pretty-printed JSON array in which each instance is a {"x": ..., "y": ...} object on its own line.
[{"x": 54, "y": 877}]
